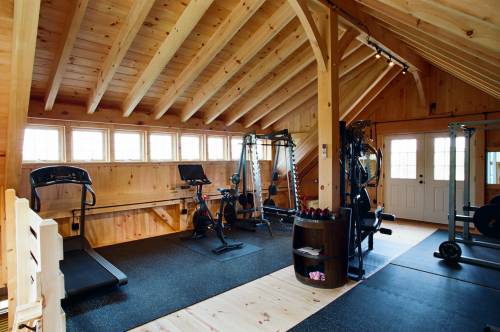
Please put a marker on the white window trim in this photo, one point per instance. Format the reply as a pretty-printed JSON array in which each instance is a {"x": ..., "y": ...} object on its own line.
[
  {"x": 142, "y": 145},
  {"x": 174, "y": 145},
  {"x": 106, "y": 147},
  {"x": 62, "y": 144}
]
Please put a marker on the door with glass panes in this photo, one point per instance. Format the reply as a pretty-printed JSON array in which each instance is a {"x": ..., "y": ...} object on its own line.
[{"x": 417, "y": 174}]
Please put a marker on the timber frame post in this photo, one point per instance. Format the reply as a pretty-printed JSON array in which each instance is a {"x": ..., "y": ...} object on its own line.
[{"x": 323, "y": 38}]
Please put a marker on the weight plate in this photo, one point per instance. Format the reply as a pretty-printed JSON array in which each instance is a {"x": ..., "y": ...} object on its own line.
[
  {"x": 450, "y": 251},
  {"x": 487, "y": 220}
]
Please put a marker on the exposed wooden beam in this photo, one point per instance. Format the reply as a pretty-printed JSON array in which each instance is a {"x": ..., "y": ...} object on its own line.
[
  {"x": 421, "y": 90},
  {"x": 106, "y": 115},
  {"x": 352, "y": 15},
  {"x": 289, "y": 45},
  {"x": 179, "y": 32},
  {"x": 294, "y": 86},
  {"x": 275, "y": 80},
  {"x": 345, "y": 41},
  {"x": 374, "y": 91},
  {"x": 301, "y": 80},
  {"x": 442, "y": 21},
  {"x": 61, "y": 58},
  {"x": 133, "y": 22},
  {"x": 243, "y": 55},
  {"x": 243, "y": 11},
  {"x": 305, "y": 95},
  {"x": 24, "y": 32},
  {"x": 317, "y": 43},
  {"x": 354, "y": 89}
]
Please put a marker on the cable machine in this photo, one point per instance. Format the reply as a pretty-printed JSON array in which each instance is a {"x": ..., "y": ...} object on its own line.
[{"x": 251, "y": 199}]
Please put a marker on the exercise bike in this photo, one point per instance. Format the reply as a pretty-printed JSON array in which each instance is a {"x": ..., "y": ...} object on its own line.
[{"x": 203, "y": 219}]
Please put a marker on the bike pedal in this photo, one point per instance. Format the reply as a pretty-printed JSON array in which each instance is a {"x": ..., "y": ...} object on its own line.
[{"x": 386, "y": 231}]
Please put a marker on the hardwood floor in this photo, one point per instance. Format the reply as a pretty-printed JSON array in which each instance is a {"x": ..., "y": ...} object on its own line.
[{"x": 275, "y": 302}]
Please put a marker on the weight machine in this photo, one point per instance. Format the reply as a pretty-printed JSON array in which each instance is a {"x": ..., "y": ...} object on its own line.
[
  {"x": 252, "y": 201},
  {"x": 486, "y": 218},
  {"x": 361, "y": 165}
]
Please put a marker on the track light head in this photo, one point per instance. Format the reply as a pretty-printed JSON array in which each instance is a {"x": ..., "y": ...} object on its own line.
[
  {"x": 378, "y": 55},
  {"x": 405, "y": 69},
  {"x": 391, "y": 63}
]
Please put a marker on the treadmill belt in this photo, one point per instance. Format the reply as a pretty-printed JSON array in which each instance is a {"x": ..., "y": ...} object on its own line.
[{"x": 83, "y": 273}]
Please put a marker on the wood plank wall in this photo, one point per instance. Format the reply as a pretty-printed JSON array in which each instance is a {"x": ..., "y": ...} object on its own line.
[
  {"x": 6, "y": 14},
  {"x": 397, "y": 110}
]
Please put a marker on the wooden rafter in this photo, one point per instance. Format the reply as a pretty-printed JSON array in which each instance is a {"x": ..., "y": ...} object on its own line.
[
  {"x": 255, "y": 43},
  {"x": 181, "y": 30},
  {"x": 301, "y": 80},
  {"x": 63, "y": 53},
  {"x": 229, "y": 27},
  {"x": 289, "y": 45},
  {"x": 352, "y": 15},
  {"x": 317, "y": 43},
  {"x": 276, "y": 79},
  {"x": 373, "y": 92},
  {"x": 305, "y": 95},
  {"x": 137, "y": 14},
  {"x": 24, "y": 32},
  {"x": 345, "y": 41},
  {"x": 450, "y": 25}
]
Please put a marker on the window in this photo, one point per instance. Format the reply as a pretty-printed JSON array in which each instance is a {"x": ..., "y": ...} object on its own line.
[
  {"x": 161, "y": 147},
  {"x": 264, "y": 149},
  {"x": 442, "y": 158},
  {"x": 190, "y": 147},
  {"x": 128, "y": 146},
  {"x": 236, "y": 146},
  {"x": 88, "y": 145},
  {"x": 493, "y": 167},
  {"x": 42, "y": 144},
  {"x": 216, "y": 147},
  {"x": 404, "y": 159}
]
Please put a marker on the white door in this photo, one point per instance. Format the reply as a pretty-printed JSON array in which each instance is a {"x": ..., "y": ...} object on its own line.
[
  {"x": 417, "y": 173},
  {"x": 404, "y": 160},
  {"x": 437, "y": 173}
]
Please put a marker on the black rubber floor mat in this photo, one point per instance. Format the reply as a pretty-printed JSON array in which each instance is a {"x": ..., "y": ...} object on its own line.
[
  {"x": 402, "y": 299},
  {"x": 421, "y": 257},
  {"x": 164, "y": 277}
]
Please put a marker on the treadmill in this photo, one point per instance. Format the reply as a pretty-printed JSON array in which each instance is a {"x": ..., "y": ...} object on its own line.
[{"x": 83, "y": 268}]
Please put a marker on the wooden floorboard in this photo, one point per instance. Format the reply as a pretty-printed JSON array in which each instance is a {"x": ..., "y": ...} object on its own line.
[{"x": 275, "y": 302}]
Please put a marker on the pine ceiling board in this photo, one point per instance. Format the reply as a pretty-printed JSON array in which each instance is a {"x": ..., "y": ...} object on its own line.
[{"x": 289, "y": 29}]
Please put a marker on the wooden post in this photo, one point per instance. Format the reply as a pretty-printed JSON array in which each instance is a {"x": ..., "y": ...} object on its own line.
[
  {"x": 10, "y": 212},
  {"x": 328, "y": 117},
  {"x": 24, "y": 32}
]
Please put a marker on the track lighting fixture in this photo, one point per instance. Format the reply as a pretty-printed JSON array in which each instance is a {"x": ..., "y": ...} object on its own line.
[
  {"x": 391, "y": 59},
  {"x": 379, "y": 51},
  {"x": 391, "y": 63}
]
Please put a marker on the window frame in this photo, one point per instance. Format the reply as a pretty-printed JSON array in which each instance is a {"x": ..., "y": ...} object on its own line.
[
  {"x": 106, "y": 145},
  {"x": 224, "y": 147},
  {"x": 173, "y": 135},
  {"x": 62, "y": 143},
  {"x": 202, "y": 156},
  {"x": 142, "y": 145}
]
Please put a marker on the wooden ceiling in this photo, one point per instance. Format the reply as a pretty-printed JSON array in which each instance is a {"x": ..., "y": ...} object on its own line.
[{"x": 247, "y": 62}]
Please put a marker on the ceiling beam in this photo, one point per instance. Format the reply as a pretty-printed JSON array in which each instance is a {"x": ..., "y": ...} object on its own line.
[
  {"x": 243, "y": 55},
  {"x": 305, "y": 95},
  {"x": 133, "y": 23},
  {"x": 243, "y": 11},
  {"x": 345, "y": 41},
  {"x": 289, "y": 45},
  {"x": 275, "y": 80},
  {"x": 24, "y": 33},
  {"x": 374, "y": 91},
  {"x": 317, "y": 43},
  {"x": 352, "y": 16},
  {"x": 61, "y": 57},
  {"x": 179, "y": 32},
  {"x": 109, "y": 115},
  {"x": 302, "y": 79},
  {"x": 442, "y": 21}
]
